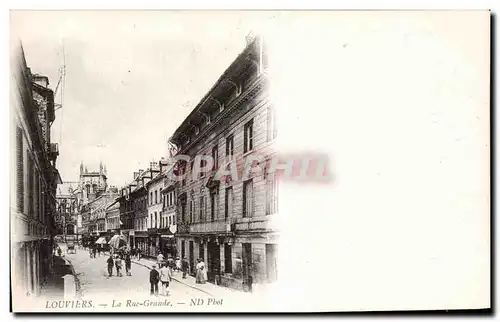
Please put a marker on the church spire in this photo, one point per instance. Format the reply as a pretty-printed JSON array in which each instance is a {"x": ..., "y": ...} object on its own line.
[
  {"x": 100, "y": 167},
  {"x": 81, "y": 167}
]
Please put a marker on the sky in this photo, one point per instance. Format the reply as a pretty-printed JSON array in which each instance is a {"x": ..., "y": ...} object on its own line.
[{"x": 131, "y": 78}]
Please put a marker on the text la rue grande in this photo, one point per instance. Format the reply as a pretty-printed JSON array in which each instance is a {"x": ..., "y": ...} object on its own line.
[{"x": 148, "y": 303}]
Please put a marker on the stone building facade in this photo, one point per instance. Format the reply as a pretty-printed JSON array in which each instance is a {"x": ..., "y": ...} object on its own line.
[
  {"x": 35, "y": 179},
  {"x": 229, "y": 223}
]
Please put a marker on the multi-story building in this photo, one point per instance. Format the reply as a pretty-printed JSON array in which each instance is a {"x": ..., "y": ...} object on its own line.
[
  {"x": 94, "y": 212},
  {"x": 168, "y": 220},
  {"x": 158, "y": 223},
  {"x": 113, "y": 218},
  {"x": 33, "y": 203},
  {"x": 67, "y": 209},
  {"x": 134, "y": 210},
  {"x": 229, "y": 223}
]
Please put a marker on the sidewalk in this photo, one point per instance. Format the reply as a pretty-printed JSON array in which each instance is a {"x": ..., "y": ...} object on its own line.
[{"x": 208, "y": 288}]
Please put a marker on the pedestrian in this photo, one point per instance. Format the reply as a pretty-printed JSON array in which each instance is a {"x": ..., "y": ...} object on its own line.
[
  {"x": 160, "y": 259},
  {"x": 178, "y": 264},
  {"x": 165, "y": 278},
  {"x": 118, "y": 265},
  {"x": 94, "y": 251},
  {"x": 139, "y": 251},
  {"x": 185, "y": 267},
  {"x": 204, "y": 271},
  {"x": 128, "y": 264},
  {"x": 154, "y": 278},
  {"x": 199, "y": 272},
  {"x": 171, "y": 262},
  {"x": 90, "y": 252},
  {"x": 110, "y": 265}
]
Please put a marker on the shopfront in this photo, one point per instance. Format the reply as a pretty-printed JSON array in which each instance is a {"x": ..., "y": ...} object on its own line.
[{"x": 168, "y": 244}]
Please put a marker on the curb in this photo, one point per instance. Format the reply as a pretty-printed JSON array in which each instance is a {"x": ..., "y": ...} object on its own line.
[{"x": 175, "y": 279}]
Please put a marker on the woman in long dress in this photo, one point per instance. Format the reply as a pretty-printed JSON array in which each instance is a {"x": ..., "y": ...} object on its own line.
[
  {"x": 203, "y": 271},
  {"x": 199, "y": 272}
]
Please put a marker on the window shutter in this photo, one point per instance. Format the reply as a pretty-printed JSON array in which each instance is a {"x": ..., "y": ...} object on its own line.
[{"x": 20, "y": 169}]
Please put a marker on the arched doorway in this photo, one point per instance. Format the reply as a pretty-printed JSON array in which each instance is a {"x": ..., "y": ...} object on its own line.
[{"x": 70, "y": 229}]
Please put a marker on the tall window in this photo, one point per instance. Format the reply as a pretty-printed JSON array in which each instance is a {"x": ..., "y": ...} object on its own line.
[
  {"x": 192, "y": 170},
  {"x": 271, "y": 195},
  {"x": 228, "y": 203},
  {"x": 156, "y": 196},
  {"x": 202, "y": 207},
  {"x": 215, "y": 157},
  {"x": 191, "y": 210},
  {"x": 202, "y": 165},
  {"x": 183, "y": 211},
  {"x": 271, "y": 123},
  {"x": 151, "y": 198},
  {"x": 229, "y": 146},
  {"x": 214, "y": 203},
  {"x": 248, "y": 198},
  {"x": 20, "y": 169},
  {"x": 30, "y": 186},
  {"x": 228, "y": 265},
  {"x": 248, "y": 138}
]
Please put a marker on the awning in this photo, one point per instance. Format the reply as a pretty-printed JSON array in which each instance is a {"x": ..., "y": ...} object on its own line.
[{"x": 101, "y": 240}]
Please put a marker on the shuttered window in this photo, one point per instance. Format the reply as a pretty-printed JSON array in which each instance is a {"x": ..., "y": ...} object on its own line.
[
  {"x": 202, "y": 207},
  {"x": 271, "y": 124},
  {"x": 30, "y": 186},
  {"x": 228, "y": 204},
  {"x": 271, "y": 195},
  {"x": 20, "y": 169},
  {"x": 248, "y": 198},
  {"x": 248, "y": 137}
]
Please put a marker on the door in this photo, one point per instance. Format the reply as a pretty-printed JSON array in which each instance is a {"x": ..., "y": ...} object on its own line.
[
  {"x": 271, "y": 258},
  {"x": 213, "y": 261},
  {"x": 247, "y": 261},
  {"x": 191, "y": 257}
]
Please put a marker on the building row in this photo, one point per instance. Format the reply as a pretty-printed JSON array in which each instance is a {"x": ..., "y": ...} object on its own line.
[
  {"x": 229, "y": 223},
  {"x": 35, "y": 179}
]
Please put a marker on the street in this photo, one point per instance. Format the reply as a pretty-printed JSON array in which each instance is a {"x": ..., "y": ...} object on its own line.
[{"x": 95, "y": 283}]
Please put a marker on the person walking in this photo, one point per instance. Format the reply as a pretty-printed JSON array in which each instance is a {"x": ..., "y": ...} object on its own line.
[
  {"x": 154, "y": 278},
  {"x": 199, "y": 272},
  {"x": 139, "y": 251},
  {"x": 94, "y": 251},
  {"x": 118, "y": 265},
  {"x": 128, "y": 264},
  {"x": 159, "y": 259},
  {"x": 178, "y": 264},
  {"x": 165, "y": 278},
  {"x": 170, "y": 262},
  {"x": 110, "y": 265},
  {"x": 204, "y": 271},
  {"x": 184, "y": 267}
]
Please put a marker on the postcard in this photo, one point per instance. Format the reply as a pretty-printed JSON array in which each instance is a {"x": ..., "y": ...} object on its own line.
[{"x": 249, "y": 161}]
